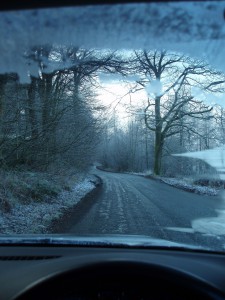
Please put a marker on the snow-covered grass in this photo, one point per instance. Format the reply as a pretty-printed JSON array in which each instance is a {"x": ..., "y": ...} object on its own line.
[
  {"x": 144, "y": 173},
  {"x": 36, "y": 217},
  {"x": 185, "y": 185},
  {"x": 181, "y": 183}
]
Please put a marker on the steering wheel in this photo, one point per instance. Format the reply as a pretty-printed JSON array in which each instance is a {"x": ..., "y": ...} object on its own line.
[{"x": 121, "y": 280}]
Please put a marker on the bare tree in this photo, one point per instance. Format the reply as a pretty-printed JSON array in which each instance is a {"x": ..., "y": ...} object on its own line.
[
  {"x": 169, "y": 79},
  {"x": 56, "y": 114}
]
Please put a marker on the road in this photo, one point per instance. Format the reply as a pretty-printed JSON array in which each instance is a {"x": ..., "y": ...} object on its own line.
[{"x": 129, "y": 204}]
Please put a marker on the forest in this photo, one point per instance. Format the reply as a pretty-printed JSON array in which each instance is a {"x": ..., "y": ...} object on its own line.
[{"x": 56, "y": 122}]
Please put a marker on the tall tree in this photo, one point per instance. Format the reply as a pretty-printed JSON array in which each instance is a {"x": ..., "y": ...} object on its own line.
[
  {"x": 62, "y": 91},
  {"x": 170, "y": 80}
]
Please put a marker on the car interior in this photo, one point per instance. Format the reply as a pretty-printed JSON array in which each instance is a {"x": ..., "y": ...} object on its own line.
[{"x": 49, "y": 267}]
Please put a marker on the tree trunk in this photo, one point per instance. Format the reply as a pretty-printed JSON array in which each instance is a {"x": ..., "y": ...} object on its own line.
[
  {"x": 158, "y": 138},
  {"x": 158, "y": 152},
  {"x": 3, "y": 80},
  {"x": 31, "y": 109},
  {"x": 48, "y": 127}
]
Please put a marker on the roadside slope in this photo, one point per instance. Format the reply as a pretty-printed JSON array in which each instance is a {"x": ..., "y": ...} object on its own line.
[{"x": 43, "y": 216}]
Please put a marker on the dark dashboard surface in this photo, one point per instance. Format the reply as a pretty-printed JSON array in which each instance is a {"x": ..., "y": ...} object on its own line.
[{"x": 62, "y": 272}]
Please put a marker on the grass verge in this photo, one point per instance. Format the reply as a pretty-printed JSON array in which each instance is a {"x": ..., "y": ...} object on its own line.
[{"x": 26, "y": 187}]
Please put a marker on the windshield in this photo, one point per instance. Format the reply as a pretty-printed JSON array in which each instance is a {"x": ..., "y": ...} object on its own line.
[{"x": 112, "y": 121}]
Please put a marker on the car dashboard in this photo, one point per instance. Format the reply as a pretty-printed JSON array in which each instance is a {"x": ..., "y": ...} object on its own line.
[{"x": 78, "y": 272}]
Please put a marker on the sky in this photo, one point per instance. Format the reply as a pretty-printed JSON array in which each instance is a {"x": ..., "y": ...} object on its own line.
[{"x": 115, "y": 95}]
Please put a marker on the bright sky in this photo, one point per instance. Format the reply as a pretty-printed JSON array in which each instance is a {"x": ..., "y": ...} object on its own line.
[{"x": 116, "y": 96}]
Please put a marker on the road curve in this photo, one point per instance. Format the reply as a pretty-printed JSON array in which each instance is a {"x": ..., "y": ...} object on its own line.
[{"x": 129, "y": 204}]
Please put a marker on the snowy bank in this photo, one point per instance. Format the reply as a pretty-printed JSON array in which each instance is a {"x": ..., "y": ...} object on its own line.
[
  {"x": 183, "y": 184},
  {"x": 179, "y": 183},
  {"x": 197, "y": 189},
  {"x": 36, "y": 217}
]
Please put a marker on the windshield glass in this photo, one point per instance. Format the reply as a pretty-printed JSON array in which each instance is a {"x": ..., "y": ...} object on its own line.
[{"x": 112, "y": 121}]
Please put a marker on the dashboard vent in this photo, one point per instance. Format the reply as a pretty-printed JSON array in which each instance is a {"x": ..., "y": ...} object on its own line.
[{"x": 28, "y": 257}]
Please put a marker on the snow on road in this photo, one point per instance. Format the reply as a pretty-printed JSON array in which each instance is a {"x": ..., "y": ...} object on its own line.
[{"x": 214, "y": 225}]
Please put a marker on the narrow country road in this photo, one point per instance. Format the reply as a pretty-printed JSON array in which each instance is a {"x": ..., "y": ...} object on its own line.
[{"x": 129, "y": 204}]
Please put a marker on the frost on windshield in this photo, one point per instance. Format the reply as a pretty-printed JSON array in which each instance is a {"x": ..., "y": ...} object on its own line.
[
  {"x": 128, "y": 88},
  {"x": 173, "y": 25}
]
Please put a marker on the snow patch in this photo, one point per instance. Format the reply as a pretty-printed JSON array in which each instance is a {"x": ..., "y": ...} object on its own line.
[
  {"x": 154, "y": 88},
  {"x": 36, "y": 217},
  {"x": 181, "y": 229},
  {"x": 214, "y": 157},
  {"x": 179, "y": 183},
  {"x": 213, "y": 226}
]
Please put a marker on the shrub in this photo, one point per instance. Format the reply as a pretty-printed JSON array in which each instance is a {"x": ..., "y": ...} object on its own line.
[
  {"x": 215, "y": 183},
  {"x": 25, "y": 187}
]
